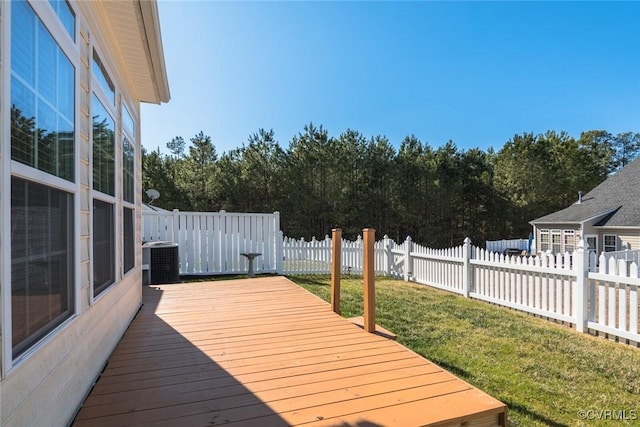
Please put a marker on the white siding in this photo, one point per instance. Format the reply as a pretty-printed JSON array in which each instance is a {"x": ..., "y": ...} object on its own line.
[
  {"x": 47, "y": 385},
  {"x": 625, "y": 235}
]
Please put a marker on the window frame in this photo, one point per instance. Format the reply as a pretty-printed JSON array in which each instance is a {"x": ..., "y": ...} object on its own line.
[
  {"x": 12, "y": 168},
  {"x": 111, "y": 192},
  {"x": 34, "y": 338},
  {"x": 569, "y": 241},
  {"x": 99, "y": 289},
  {"x": 595, "y": 242},
  {"x": 128, "y": 134},
  {"x": 97, "y": 91},
  {"x": 604, "y": 243},
  {"x": 73, "y": 36},
  {"x": 106, "y": 74},
  {"x": 50, "y": 22},
  {"x": 544, "y": 233},
  {"x": 131, "y": 264},
  {"x": 553, "y": 234}
]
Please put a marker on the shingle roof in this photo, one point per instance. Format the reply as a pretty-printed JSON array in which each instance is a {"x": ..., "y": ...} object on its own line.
[{"x": 619, "y": 193}]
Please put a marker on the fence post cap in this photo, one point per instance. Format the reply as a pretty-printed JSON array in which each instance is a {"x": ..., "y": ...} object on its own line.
[
  {"x": 467, "y": 241},
  {"x": 408, "y": 238},
  {"x": 385, "y": 237}
]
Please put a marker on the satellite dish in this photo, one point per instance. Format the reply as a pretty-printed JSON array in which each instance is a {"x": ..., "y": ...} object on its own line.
[{"x": 153, "y": 195}]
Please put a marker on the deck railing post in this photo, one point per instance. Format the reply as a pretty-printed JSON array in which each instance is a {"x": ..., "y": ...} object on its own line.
[
  {"x": 466, "y": 269},
  {"x": 369, "y": 280},
  {"x": 581, "y": 265},
  {"x": 336, "y": 264}
]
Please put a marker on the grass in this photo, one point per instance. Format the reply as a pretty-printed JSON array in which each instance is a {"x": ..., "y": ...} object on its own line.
[{"x": 546, "y": 373}]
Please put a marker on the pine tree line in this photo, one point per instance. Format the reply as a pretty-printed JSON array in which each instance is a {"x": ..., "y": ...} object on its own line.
[{"x": 436, "y": 195}]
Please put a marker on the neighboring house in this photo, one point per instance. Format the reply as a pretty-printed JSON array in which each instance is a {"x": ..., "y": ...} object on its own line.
[
  {"x": 607, "y": 217},
  {"x": 73, "y": 75}
]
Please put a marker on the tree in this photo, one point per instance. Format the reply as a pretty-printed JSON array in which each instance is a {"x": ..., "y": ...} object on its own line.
[
  {"x": 308, "y": 173},
  {"x": 378, "y": 175},
  {"x": 409, "y": 189},
  {"x": 196, "y": 174},
  {"x": 437, "y": 196},
  {"x": 626, "y": 148},
  {"x": 262, "y": 161},
  {"x": 176, "y": 146},
  {"x": 158, "y": 172}
]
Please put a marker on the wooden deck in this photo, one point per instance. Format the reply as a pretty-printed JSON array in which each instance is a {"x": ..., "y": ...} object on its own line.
[{"x": 265, "y": 352}]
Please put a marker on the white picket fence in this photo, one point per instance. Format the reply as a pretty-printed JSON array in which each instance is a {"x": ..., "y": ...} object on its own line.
[
  {"x": 592, "y": 294},
  {"x": 211, "y": 243},
  {"x": 314, "y": 257}
]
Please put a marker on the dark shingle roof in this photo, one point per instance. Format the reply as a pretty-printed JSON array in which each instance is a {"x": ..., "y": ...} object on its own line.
[{"x": 619, "y": 193}]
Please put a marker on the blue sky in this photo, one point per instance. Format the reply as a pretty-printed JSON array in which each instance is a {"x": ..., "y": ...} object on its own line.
[{"x": 472, "y": 72}]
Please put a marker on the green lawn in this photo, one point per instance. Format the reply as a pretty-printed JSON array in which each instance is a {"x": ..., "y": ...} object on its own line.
[{"x": 546, "y": 373}]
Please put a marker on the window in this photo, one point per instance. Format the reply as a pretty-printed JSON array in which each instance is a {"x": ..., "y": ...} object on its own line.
[
  {"x": 66, "y": 15},
  {"x": 103, "y": 246},
  {"x": 544, "y": 240},
  {"x": 127, "y": 170},
  {"x": 42, "y": 97},
  {"x": 103, "y": 149},
  {"x": 556, "y": 247},
  {"x": 101, "y": 75},
  {"x": 127, "y": 121},
  {"x": 569, "y": 241},
  {"x": 128, "y": 191},
  {"x": 41, "y": 261},
  {"x": 128, "y": 239},
  {"x": 610, "y": 242},
  {"x": 42, "y": 239}
]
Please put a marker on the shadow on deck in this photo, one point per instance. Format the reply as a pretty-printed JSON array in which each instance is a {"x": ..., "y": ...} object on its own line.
[{"x": 265, "y": 352}]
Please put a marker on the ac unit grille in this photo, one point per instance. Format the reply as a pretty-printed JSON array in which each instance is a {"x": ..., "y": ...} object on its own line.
[{"x": 165, "y": 267}]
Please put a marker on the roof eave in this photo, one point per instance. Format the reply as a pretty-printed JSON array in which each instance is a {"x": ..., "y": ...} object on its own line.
[
  {"x": 579, "y": 221},
  {"x": 151, "y": 23}
]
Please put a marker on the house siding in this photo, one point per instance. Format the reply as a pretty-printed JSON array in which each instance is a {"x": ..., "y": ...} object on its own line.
[
  {"x": 625, "y": 235},
  {"x": 563, "y": 228},
  {"x": 46, "y": 385}
]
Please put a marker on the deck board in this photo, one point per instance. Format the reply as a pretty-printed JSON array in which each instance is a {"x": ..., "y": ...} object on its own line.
[{"x": 266, "y": 352}]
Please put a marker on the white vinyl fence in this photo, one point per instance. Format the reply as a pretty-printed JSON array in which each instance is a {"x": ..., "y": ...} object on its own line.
[
  {"x": 592, "y": 294},
  {"x": 314, "y": 257},
  {"x": 211, "y": 243},
  {"x": 502, "y": 245}
]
